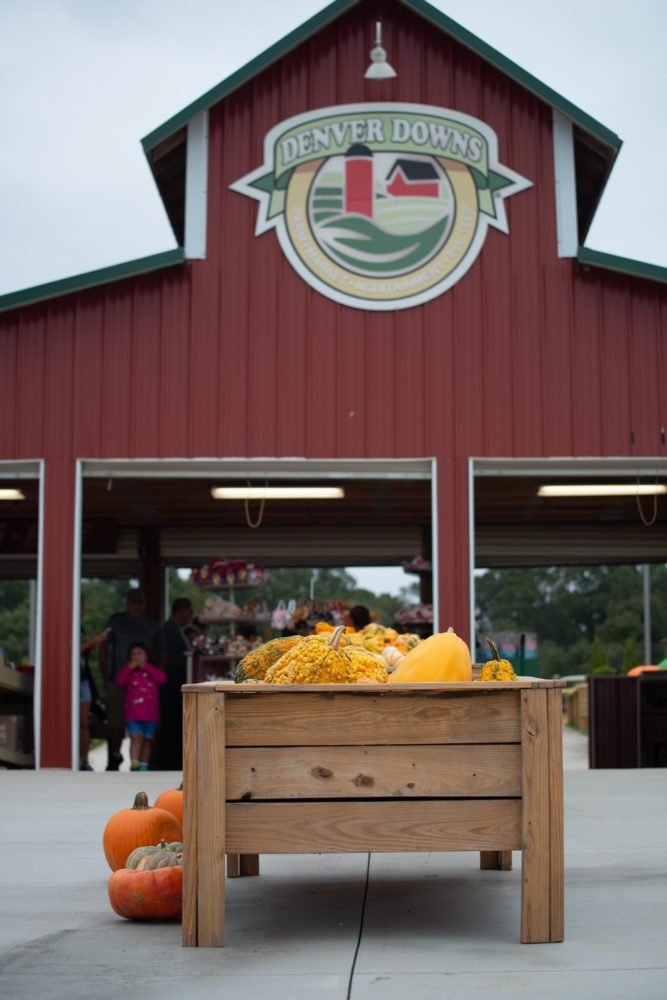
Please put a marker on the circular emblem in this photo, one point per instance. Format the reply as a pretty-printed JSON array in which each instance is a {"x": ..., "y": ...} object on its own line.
[
  {"x": 381, "y": 206},
  {"x": 384, "y": 237}
]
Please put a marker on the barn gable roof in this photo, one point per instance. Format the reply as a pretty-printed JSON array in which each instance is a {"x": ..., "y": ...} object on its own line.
[
  {"x": 595, "y": 146},
  {"x": 414, "y": 170}
]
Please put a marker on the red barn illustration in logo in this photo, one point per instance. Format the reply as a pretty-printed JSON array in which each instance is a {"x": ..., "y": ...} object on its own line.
[
  {"x": 413, "y": 179},
  {"x": 359, "y": 180}
]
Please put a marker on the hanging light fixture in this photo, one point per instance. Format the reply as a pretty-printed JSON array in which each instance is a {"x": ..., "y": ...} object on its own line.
[
  {"x": 11, "y": 494},
  {"x": 278, "y": 493},
  {"x": 379, "y": 68},
  {"x": 601, "y": 490}
]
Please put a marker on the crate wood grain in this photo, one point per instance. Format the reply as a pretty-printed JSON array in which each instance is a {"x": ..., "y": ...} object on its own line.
[
  {"x": 334, "y": 768},
  {"x": 327, "y": 772},
  {"x": 345, "y": 826},
  {"x": 340, "y": 719}
]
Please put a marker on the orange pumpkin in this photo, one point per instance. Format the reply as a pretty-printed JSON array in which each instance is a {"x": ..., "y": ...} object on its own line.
[
  {"x": 172, "y": 801},
  {"x": 131, "y": 828},
  {"x": 147, "y": 895}
]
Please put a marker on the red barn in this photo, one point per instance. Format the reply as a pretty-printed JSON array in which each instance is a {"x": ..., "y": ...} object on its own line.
[
  {"x": 441, "y": 380},
  {"x": 410, "y": 178}
]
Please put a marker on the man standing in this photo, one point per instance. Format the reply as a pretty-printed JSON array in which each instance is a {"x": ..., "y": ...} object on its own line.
[
  {"x": 169, "y": 750},
  {"x": 125, "y": 628}
]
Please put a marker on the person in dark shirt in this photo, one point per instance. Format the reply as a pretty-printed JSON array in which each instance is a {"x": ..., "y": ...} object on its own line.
[
  {"x": 169, "y": 749},
  {"x": 124, "y": 629},
  {"x": 359, "y": 617}
]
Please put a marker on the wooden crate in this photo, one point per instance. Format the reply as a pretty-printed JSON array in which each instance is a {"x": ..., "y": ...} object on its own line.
[
  {"x": 577, "y": 707},
  {"x": 339, "y": 768}
]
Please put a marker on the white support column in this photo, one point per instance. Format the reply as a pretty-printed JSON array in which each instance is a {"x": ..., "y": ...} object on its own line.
[
  {"x": 566, "y": 186},
  {"x": 471, "y": 547},
  {"x": 76, "y": 613},
  {"x": 39, "y": 610},
  {"x": 196, "y": 187},
  {"x": 435, "y": 557},
  {"x": 646, "y": 575}
]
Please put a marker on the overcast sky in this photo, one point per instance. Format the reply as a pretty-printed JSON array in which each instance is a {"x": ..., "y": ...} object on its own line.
[{"x": 81, "y": 81}]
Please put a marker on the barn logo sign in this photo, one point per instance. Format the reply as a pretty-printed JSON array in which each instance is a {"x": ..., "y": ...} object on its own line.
[{"x": 381, "y": 206}]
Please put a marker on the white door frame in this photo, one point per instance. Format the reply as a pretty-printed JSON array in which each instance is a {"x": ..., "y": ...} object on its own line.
[
  {"x": 233, "y": 468},
  {"x": 34, "y": 469},
  {"x": 553, "y": 468}
]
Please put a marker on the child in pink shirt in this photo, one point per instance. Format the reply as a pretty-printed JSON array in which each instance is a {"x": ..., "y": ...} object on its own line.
[{"x": 142, "y": 704}]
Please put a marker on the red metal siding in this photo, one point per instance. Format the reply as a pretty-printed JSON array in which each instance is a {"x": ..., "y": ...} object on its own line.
[{"x": 527, "y": 355}]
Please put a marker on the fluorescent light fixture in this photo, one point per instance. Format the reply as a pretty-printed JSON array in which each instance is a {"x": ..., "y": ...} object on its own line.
[
  {"x": 601, "y": 490},
  {"x": 277, "y": 493},
  {"x": 12, "y": 495}
]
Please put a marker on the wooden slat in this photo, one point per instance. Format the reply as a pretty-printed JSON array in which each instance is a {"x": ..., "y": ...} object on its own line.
[
  {"x": 535, "y": 904},
  {"x": 211, "y": 819},
  {"x": 305, "y": 827},
  {"x": 556, "y": 850},
  {"x": 190, "y": 873},
  {"x": 326, "y": 772},
  {"x": 299, "y": 719},
  {"x": 495, "y": 861},
  {"x": 233, "y": 866},
  {"x": 387, "y": 690}
]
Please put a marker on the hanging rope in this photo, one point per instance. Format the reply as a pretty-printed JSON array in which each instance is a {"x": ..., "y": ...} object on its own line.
[
  {"x": 647, "y": 522},
  {"x": 260, "y": 515}
]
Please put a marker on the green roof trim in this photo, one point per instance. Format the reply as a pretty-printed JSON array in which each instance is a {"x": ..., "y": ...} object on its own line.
[
  {"x": 623, "y": 265},
  {"x": 430, "y": 13},
  {"x": 104, "y": 275}
]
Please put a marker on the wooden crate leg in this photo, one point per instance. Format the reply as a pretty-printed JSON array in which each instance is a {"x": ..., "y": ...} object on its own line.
[
  {"x": 211, "y": 819},
  {"x": 249, "y": 864},
  {"x": 542, "y": 869},
  {"x": 495, "y": 861},
  {"x": 233, "y": 866},
  {"x": 190, "y": 875},
  {"x": 556, "y": 852}
]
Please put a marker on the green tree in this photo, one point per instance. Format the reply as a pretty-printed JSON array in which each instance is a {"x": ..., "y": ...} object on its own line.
[
  {"x": 599, "y": 665},
  {"x": 629, "y": 655},
  {"x": 15, "y": 619}
]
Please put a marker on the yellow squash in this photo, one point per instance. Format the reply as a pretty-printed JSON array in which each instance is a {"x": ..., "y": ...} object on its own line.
[
  {"x": 441, "y": 658},
  {"x": 497, "y": 669}
]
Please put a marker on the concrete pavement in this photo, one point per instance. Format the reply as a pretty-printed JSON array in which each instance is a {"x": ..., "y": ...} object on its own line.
[{"x": 429, "y": 926}]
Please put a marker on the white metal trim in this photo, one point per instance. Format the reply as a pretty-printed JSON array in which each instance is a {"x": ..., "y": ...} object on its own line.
[
  {"x": 471, "y": 553},
  {"x": 435, "y": 562},
  {"x": 39, "y": 659},
  {"x": 566, "y": 186},
  {"x": 271, "y": 468},
  {"x": 196, "y": 187},
  {"x": 580, "y": 466},
  {"x": 29, "y": 468},
  {"x": 76, "y": 612},
  {"x": 33, "y": 469}
]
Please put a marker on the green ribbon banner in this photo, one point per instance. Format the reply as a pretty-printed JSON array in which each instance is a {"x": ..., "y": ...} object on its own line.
[{"x": 381, "y": 131}]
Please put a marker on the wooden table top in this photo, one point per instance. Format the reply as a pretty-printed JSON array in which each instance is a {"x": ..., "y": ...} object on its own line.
[{"x": 476, "y": 687}]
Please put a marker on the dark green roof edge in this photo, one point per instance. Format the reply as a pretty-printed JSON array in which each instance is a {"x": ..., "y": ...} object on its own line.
[
  {"x": 89, "y": 279},
  {"x": 624, "y": 265},
  {"x": 426, "y": 10}
]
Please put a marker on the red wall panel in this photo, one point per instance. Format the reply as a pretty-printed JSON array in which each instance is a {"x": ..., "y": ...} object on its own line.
[
  {"x": 30, "y": 368},
  {"x": 8, "y": 353}
]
